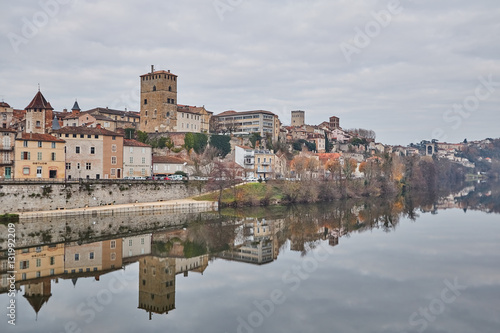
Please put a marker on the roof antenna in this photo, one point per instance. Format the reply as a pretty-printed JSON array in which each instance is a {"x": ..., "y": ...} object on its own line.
[{"x": 39, "y": 87}]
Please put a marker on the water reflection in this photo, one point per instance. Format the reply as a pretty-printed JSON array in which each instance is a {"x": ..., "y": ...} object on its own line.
[{"x": 189, "y": 244}]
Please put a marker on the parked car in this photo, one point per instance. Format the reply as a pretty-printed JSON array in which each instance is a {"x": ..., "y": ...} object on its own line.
[
  {"x": 175, "y": 177},
  {"x": 252, "y": 179},
  {"x": 160, "y": 176}
]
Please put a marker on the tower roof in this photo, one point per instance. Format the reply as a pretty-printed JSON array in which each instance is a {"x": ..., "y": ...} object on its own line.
[
  {"x": 39, "y": 102},
  {"x": 55, "y": 123},
  {"x": 75, "y": 106}
]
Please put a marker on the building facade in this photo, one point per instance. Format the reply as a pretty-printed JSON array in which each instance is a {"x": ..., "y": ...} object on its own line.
[
  {"x": 6, "y": 115},
  {"x": 39, "y": 156},
  {"x": 92, "y": 153},
  {"x": 137, "y": 159},
  {"x": 246, "y": 122},
  {"x": 7, "y": 141}
]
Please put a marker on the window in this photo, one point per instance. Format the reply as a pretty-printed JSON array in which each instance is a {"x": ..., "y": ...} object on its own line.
[
  {"x": 113, "y": 148},
  {"x": 53, "y": 145},
  {"x": 113, "y": 160},
  {"x": 113, "y": 171},
  {"x": 39, "y": 144},
  {"x": 25, "y": 155},
  {"x": 52, "y": 260},
  {"x": 78, "y": 166},
  {"x": 39, "y": 156},
  {"x": 38, "y": 262},
  {"x": 77, "y": 256},
  {"x": 146, "y": 102},
  {"x": 25, "y": 143},
  {"x": 26, "y": 171},
  {"x": 39, "y": 172},
  {"x": 82, "y": 136},
  {"x": 91, "y": 255},
  {"x": 113, "y": 256},
  {"x": 143, "y": 172},
  {"x": 77, "y": 150},
  {"x": 96, "y": 136},
  {"x": 74, "y": 135},
  {"x": 143, "y": 160},
  {"x": 129, "y": 242},
  {"x": 131, "y": 159},
  {"x": 53, "y": 156},
  {"x": 113, "y": 138},
  {"x": 142, "y": 241},
  {"x": 89, "y": 136},
  {"x": 24, "y": 264},
  {"x": 38, "y": 124},
  {"x": 88, "y": 166},
  {"x": 154, "y": 88},
  {"x": 113, "y": 244},
  {"x": 66, "y": 135},
  {"x": 52, "y": 272},
  {"x": 131, "y": 149},
  {"x": 92, "y": 150}
]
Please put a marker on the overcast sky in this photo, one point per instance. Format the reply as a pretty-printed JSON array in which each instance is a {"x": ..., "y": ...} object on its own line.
[{"x": 399, "y": 72}]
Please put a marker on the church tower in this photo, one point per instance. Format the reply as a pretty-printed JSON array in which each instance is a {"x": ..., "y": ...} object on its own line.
[
  {"x": 38, "y": 114},
  {"x": 158, "y": 102}
]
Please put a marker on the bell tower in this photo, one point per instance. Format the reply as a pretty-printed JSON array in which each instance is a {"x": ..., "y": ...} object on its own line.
[{"x": 158, "y": 101}]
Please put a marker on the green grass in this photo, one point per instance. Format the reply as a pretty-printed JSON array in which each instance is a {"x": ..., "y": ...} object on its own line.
[{"x": 253, "y": 192}]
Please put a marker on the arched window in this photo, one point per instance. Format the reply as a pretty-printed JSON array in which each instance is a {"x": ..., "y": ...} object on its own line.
[
  {"x": 154, "y": 88},
  {"x": 146, "y": 113},
  {"x": 154, "y": 114},
  {"x": 170, "y": 88}
]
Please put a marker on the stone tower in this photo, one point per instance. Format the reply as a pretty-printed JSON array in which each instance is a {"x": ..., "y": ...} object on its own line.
[
  {"x": 298, "y": 118},
  {"x": 38, "y": 114},
  {"x": 158, "y": 102}
]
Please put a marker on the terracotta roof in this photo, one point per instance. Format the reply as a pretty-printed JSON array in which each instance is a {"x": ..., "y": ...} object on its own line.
[
  {"x": 39, "y": 102},
  {"x": 244, "y": 147},
  {"x": 38, "y": 137},
  {"x": 190, "y": 109},
  {"x": 113, "y": 111},
  {"x": 134, "y": 143},
  {"x": 86, "y": 130},
  {"x": 4, "y": 105},
  {"x": 159, "y": 72},
  {"x": 168, "y": 159}
]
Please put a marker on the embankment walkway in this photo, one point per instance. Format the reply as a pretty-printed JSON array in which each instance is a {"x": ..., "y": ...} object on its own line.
[{"x": 180, "y": 205}]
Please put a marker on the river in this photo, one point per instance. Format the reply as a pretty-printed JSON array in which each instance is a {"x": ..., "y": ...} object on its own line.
[{"x": 403, "y": 265}]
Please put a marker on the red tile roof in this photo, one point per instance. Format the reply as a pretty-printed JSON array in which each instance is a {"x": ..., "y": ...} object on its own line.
[
  {"x": 38, "y": 137},
  {"x": 134, "y": 143},
  {"x": 4, "y": 105},
  {"x": 39, "y": 102},
  {"x": 86, "y": 130},
  {"x": 168, "y": 159}
]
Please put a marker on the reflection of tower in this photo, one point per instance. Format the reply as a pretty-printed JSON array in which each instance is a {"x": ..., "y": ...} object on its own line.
[
  {"x": 38, "y": 294},
  {"x": 156, "y": 284}
]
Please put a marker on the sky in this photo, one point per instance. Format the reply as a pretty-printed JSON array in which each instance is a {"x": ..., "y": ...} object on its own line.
[{"x": 410, "y": 70}]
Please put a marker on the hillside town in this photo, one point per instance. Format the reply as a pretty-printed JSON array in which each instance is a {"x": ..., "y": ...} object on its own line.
[{"x": 167, "y": 140}]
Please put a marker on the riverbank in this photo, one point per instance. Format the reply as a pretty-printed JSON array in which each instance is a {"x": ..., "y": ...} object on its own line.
[{"x": 178, "y": 206}]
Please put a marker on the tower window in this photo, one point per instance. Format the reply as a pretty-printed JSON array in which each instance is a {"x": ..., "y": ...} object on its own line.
[
  {"x": 154, "y": 88},
  {"x": 169, "y": 88},
  {"x": 145, "y": 101}
]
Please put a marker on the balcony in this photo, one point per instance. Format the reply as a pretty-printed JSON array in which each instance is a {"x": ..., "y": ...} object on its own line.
[
  {"x": 6, "y": 162},
  {"x": 9, "y": 148}
]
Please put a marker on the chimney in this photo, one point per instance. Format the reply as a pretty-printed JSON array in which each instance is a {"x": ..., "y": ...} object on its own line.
[
  {"x": 169, "y": 70},
  {"x": 152, "y": 69},
  {"x": 65, "y": 110},
  {"x": 98, "y": 126}
]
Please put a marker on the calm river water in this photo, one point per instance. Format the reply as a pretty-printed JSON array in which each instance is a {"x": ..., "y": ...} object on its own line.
[{"x": 372, "y": 266}]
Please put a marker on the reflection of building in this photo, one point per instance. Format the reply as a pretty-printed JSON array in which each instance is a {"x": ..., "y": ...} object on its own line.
[
  {"x": 136, "y": 246},
  {"x": 39, "y": 261},
  {"x": 93, "y": 257},
  {"x": 156, "y": 284},
  {"x": 257, "y": 245},
  {"x": 37, "y": 294}
]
